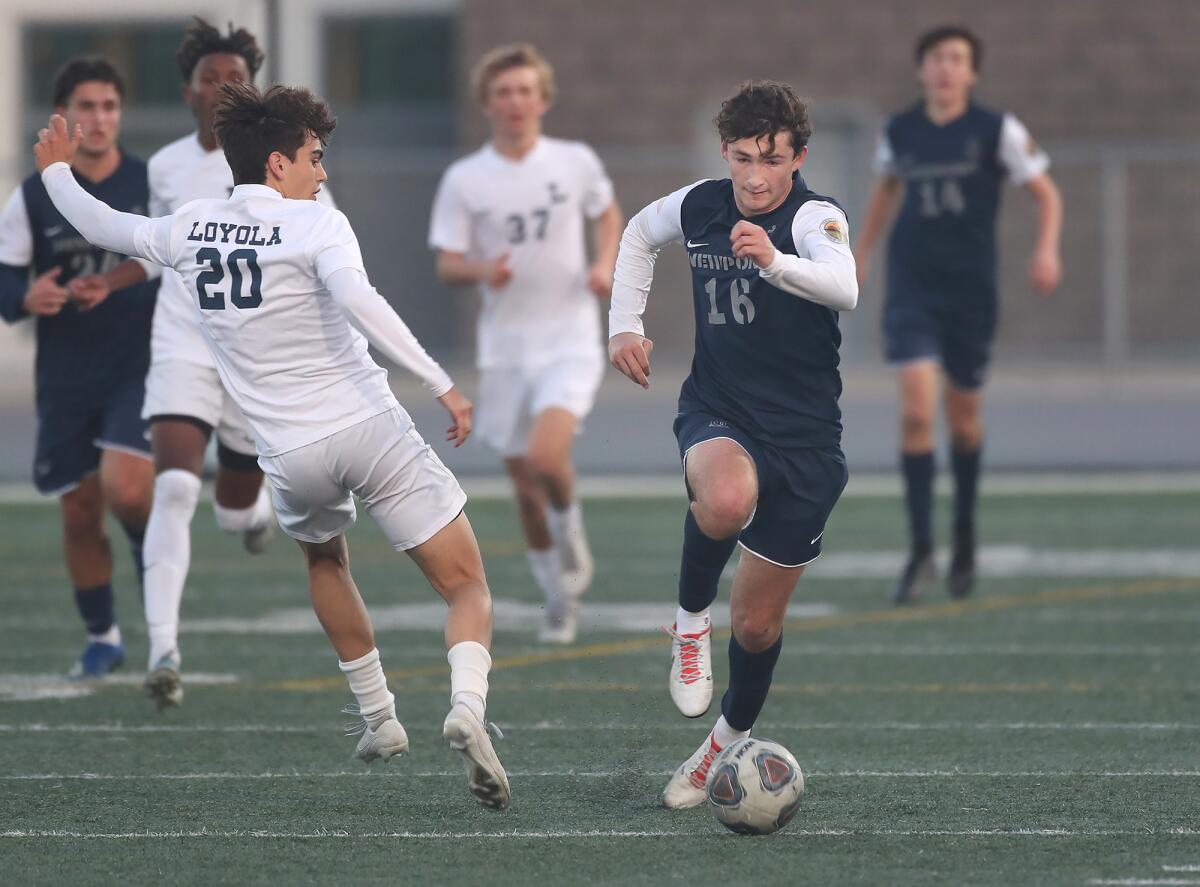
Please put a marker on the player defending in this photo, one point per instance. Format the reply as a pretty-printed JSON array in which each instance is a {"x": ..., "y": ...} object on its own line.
[
  {"x": 91, "y": 358},
  {"x": 759, "y": 426},
  {"x": 510, "y": 219},
  {"x": 285, "y": 305},
  {"x": 185, "y": 401},
  {"x": 944, "y": 161}
]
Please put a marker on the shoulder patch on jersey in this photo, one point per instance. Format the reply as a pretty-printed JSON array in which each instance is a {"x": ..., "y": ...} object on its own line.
[{"x": 834, "y": 230}]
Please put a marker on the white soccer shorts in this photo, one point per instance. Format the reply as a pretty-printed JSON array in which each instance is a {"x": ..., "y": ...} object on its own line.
[
  {"x": 510, "y": 398},
  {"x": 180, "y": 388},
  {"x": 405, "y": 487}
]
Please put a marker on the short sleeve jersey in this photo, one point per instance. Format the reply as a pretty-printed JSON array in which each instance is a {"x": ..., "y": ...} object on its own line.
[
  {"x": 533, "y": 211},
  {"x": 81, "y": 353},
  {"x": 953, "y": 175},
  {"x": 765, "y": 359}
]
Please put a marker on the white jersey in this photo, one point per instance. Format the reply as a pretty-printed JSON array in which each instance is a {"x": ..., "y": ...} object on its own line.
[
  {"x": 179, "y": 173},
  {"x": 533, "y": 211}
]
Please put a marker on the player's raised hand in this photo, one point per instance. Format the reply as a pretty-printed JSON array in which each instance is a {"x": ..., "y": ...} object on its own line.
[
  {"x": 498, "y": 273},
  {"x": 600, "y": 280},
  {"x": 45, "y": 297},
  {"x": 1045, "y": 271},
  {"x": 460, "y": 410},
  {"x": 751, "y": 240},
  {"x": 89, "y": 291},
  {"x": 54, "y": 144},
  {"x": 630, "y": 353}
]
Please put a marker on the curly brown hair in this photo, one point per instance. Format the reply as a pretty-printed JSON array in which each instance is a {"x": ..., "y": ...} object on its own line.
[
  {"x": 201, "y": 39},
  {"x": 761, "y": 110},
  {"x": 251, "y": 126}
]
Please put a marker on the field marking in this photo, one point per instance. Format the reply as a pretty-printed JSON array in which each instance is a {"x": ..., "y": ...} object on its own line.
[
  {"x": 342, "y": 834},
  {"x": 396, "y": 773},
  {"x": 1181, "y": 868},
  {"x": 1144, "y": 882},
  {"x": 37, "y": 687},
  {"x": 554, "y": 727},
  {"x": 923, "y": 613}
]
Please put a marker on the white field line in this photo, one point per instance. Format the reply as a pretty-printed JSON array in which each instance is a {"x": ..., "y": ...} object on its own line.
[
  {"x": 1144, "y": 882},
  {"x": 36, "y": 687},
  {"x": 601, "y": 833},
  {"x": 1181, "y": 868},
  {"x": 594, "y": 774},
  {"x": 555, "y": 727}
]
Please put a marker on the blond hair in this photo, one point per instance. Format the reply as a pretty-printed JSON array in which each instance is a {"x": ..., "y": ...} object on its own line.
[{"x": 504, "y": 58}]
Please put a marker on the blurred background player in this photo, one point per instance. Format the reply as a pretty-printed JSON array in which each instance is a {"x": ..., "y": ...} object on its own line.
[
  {"x": 185, "y": 401},
  {"x": 286, "y": 305},
  {"x": 759, "y": 427},
  {"x": 92, "y": 354},
  {"x": 510, "y": 219},
  {"x": 944, "y": 161}
]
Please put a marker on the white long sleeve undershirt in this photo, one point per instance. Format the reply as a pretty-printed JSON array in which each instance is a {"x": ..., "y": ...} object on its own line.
[{"x": 823, "y": 273}]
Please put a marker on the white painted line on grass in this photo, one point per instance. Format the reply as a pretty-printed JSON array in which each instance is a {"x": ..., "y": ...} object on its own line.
[
  {"x": 396, "y": 773},
  {"x": 1145, "y": 882},
  {"x": 34, "y": 687},
  {"x": 1181, "y": 868},
  {"x": 604, "y": 833},
  {"x": 556, "y": 727}
]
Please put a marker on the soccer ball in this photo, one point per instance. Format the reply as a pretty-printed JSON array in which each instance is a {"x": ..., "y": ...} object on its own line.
[{"x": 754, "y": 786}]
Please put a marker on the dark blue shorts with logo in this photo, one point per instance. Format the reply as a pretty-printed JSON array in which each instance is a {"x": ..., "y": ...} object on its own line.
[{"x": 797, "y": 489}]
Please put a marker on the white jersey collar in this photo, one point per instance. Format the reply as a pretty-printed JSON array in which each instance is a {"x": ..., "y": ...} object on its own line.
[{"x": 243, "y": 192}]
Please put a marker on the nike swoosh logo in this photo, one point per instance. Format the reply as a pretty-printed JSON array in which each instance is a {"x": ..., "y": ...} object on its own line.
[
  {"x": 691, "y": 245},
  {"x": 55, "y": 231},
  {"x": 819, "y": 535}
]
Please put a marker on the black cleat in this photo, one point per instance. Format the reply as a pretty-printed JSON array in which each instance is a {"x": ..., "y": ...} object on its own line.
[
  {"x": 962, "y": 566},
  {"x": 919, "y": 573}
]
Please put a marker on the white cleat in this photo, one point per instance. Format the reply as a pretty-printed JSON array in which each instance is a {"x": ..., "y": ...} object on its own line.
[
  {"x": 560, "y": 620},
  {"x": 386, "y": 741},
  {"x": 486, "y": 778},
  {"x": 257, "y": 541},
  {"x": 686, "y": 787},
  {"x": 578, "y": 566},
  {"x": 691, "y": 680},
  {"x": 163, "y": 684}
]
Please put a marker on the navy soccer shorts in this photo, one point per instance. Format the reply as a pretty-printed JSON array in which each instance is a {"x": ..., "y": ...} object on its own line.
[
  {"x": 73, "y": 430},
  {"x": 952, "y": 322},
  {"x": 797, "y": 489}
]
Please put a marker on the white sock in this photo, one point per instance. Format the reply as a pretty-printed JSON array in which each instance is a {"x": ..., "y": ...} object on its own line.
[
  {"x": 112, "y": 636},
  {"x": 369, "y": 686},
  {"x": 723, "y": 734},
  {"x": 691, "y": 623},
  {"x": 469, "y": 665},
  {"x": 240, "y": 520},
  {"x": 565, "y": 524},
  {"x": 167, "y": 552},
  {"x": 547, "y": 571}
]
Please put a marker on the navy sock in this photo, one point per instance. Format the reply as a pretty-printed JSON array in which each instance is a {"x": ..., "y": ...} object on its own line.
[
  {"x": 96, "y": 607},
  {"x": 701, "y": 566},
  {"x": 136, "y": 538},
  {"x": 966, "y": 484},
  {"x": 918, "y": 497},
  {"x": 749, "y": 680}
]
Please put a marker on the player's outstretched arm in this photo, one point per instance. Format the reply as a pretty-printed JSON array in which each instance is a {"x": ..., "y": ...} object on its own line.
[
  {"x": 100, "y": 224},
  {"x": 370, "y": 314},
  {"x": 1045, "y": 266},
  {"x": 606, "y": 235},
  {"x": 823, "y": 271},
  {"x": 881, "y": 205}
]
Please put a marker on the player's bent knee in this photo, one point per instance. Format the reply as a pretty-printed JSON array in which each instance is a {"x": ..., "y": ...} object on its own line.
[
  {"x": 545, "y": 463},
  {"x": 331, "y": 554},
  {"x": 724, "y": 511},
  {"x": 755, "y": 632}
]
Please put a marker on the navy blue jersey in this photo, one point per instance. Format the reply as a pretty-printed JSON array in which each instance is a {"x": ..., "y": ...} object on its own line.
[
  {"x": 953, "y": 175},
  {"x": 765, "y": 359},
  {"x": 80, "y": 353}
]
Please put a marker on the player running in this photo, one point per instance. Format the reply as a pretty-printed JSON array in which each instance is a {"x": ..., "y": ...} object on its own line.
[
  {"x": 285, "y": 305},
  {"x": 510, "y": 219},
  {"x": 185, "y": 401},
  {"x": 944, "y": 161},
  {"x": 759, "y": 426},
  {"x": 92, "y": 354}
]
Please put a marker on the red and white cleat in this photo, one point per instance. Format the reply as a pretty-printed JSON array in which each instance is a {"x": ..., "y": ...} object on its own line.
[
  {"x": 691, "y": 680},
  {"x": 686, "y": 787}
]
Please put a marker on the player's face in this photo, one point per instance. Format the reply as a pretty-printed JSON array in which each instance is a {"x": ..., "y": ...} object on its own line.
[
  {"x": 761, "y": 171},
  {"x": 95, "y": 106},
  {"x": 300, "y": 179},
  {"x": 947, "y": 72},
  {"x": 515, "y": 103},
  {"x": 211, "y": 73}
]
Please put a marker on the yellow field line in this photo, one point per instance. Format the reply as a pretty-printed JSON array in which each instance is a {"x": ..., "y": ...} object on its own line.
[{"x": 919, "y": 613}]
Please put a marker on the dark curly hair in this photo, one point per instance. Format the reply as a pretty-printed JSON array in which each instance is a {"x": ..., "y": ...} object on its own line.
[
  {"x": 933, "y": 37},
  {"x": 251, "y": 125},
  {"x": 762, "y": 109},
  {"x": 201, "y": 39},
  {"x": 84, "y": 69}
]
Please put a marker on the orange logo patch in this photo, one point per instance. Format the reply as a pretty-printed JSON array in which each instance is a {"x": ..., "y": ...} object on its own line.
[{"x": 834, "y": 230}]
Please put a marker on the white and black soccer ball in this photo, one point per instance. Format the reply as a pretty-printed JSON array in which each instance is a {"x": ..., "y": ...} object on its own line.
[{"x": 754, "y": 786}]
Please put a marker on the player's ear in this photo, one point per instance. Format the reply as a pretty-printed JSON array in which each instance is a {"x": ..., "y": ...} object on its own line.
[{"x": 800, "y": 157}]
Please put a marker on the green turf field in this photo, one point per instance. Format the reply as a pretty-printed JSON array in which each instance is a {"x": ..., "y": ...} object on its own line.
[{"x": 1045, "y": 732}]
